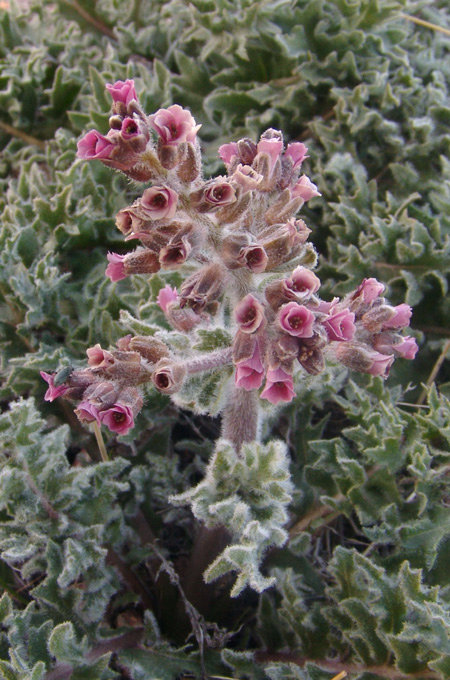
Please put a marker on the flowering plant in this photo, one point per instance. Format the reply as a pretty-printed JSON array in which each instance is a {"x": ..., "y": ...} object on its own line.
[{"x": 247, "y": 266}]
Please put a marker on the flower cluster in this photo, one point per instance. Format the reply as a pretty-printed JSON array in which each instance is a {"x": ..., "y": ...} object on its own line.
[{"x": 249, "y": 262}]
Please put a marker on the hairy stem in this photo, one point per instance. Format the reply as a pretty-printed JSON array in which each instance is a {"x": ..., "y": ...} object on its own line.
[{"x": 240, "y": 417}]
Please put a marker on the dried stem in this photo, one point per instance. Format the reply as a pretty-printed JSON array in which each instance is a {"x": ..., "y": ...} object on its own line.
[
  {"x": 425, "y": 24},
  {"x": 14, "y": 132},
  {"x": 96, "y": 23},
  {"x": 434, "y": 372},
  {"x": 100, "y": 442}
]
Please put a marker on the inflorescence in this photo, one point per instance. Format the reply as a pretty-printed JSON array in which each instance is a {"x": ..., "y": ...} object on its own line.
[{"x": 247, "y": 251}]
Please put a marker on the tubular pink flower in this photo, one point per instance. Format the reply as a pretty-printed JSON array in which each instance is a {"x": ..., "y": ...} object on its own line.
[
  {"x": 118, "y": 418},
  {"x": 116, "y": 268},
  {"x": 174, "y": 125},
  {"x": 250, "y": 372},
  {"x": 303, "y": 280},
  {"x": 87, "y": 412},
  {"x": 249, "y": 314},
  {"x": 272, "y": 147},
  {"x": 160, "y": 203},
  {"x": 368, "y": 290},
  {"x": 53, "y": 391},
  {"x": 297, "y": 152},
  {"x": 380, "y": 364},
  {"x": 279, "y": 386},
  {"x": 122, "y": 91},
  {"x": 99, "y": 357},
  {"x": 407, "y": 348},
  {"x": 228, "y": 152},
  {"x": 305, "y": 189},
  {"x": 401, "y": 318},
  {"x": 95, "y": 146},
  {"x": 167, "y": 296},
  {"x": 340, "y": 326},
  {"x": 297, "y": 320}
]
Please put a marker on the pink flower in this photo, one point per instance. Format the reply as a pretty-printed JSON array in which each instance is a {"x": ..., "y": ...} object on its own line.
[
  {"x": 129, "y": 128},
  {"x": 368, "y": 290},
  {"x": 174, "y": 125},
  {"x": 99, "y": 357},
  {"x": 53, "y": 391},
  {"x": 116, "y": 268},
  {"x": 95, "y": 146},
  {"x": 118, "y": 418},
  {"x": 297, "y": 152},
  {"x": 272, "y": 147},
  {"x": 340, "y": 326},
  {"x": 297, "y": 320},
  {"x": 303, "y": 280},
  {"x": 160, "y": 202},
  {"x": 250, "y": 372},
  {"x": 166, "y": 296},
  {"x": 254, "y": 257},
  {"x": 401, "y": 318},
  {"x": 87, "y": 412},
  {"x": 305, "y": 189},
  {"x": 380, "y": 364},
  {"x": 279, "y": 386},
  {"x": 220, "y": 193},
  {"x": 228, "y": 152},
  {"x": 407, "y": 348},
  {"x": 249, "y": 314},
  {"x": 247, "y": 178},
  {"x": 122, "y": 91}
]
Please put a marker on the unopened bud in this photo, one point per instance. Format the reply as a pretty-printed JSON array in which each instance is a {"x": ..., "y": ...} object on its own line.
[
  {"x": 203, "y": 287},
  {"x": 149, "y": 348},
  {"x": 283, "y": 208},
  {"x": 311, "y": 358},
  {"x": 188, "y": 168},
  {"x": 168, "y": 155},
  {"x": 247, "y": 150}
]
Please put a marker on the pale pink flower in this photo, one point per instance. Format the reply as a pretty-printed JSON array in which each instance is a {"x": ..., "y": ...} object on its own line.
[
  {"x": 167, "y": 296},
  {"x": 118, "y": 418},
  {"x": 53, "y": 391},
  {"x": 305, "y": 189},
  {"x": 249, "y": 314},
  {"x": 380, "y": 364},
  {"x": 99, "y": 357},
  {"x": 272, "y": 147},
  {"x": 407, "y": 348},
  {"x": 116, "y": 268},
  {"x": 228, "y": 152},
  {"x": 174, "y": 125},
  {"x": 279, "y": 386},
  {"x": 220, "y": 193},
  {"x": 122, "y": 91},
  {"x": 247, "y": 178},
  {"x": 159, "y": 202},
  {"x": 303, "y": 280},
  {"x": 340, "y": 326},
  {"x": 297, "y": 320},
  {"x": 250, "y": 372},
  {"x": 254, "y": 257},
  {"x": 95, "y": 146},
  {"x": 401, "y": 318},
  {"x": 368, "y": 290},
  {"x": 87, "y": 412},
  {"x": 297, "y": 151}
]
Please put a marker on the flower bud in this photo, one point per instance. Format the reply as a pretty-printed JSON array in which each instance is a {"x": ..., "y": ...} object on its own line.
[
  {"x": 203, "y": 286},
  {"x": 283, "y": 208},
  {"x": 247, "y": 150},
  {"x": 189, "y": 163},
  {"x": 311, "y": 358},
  {"x": 149, "y": 348},
  {"x": 168, "y": 376},
  {"x": 140, "y": 261},
  {"x": 98, "y": 357}
]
